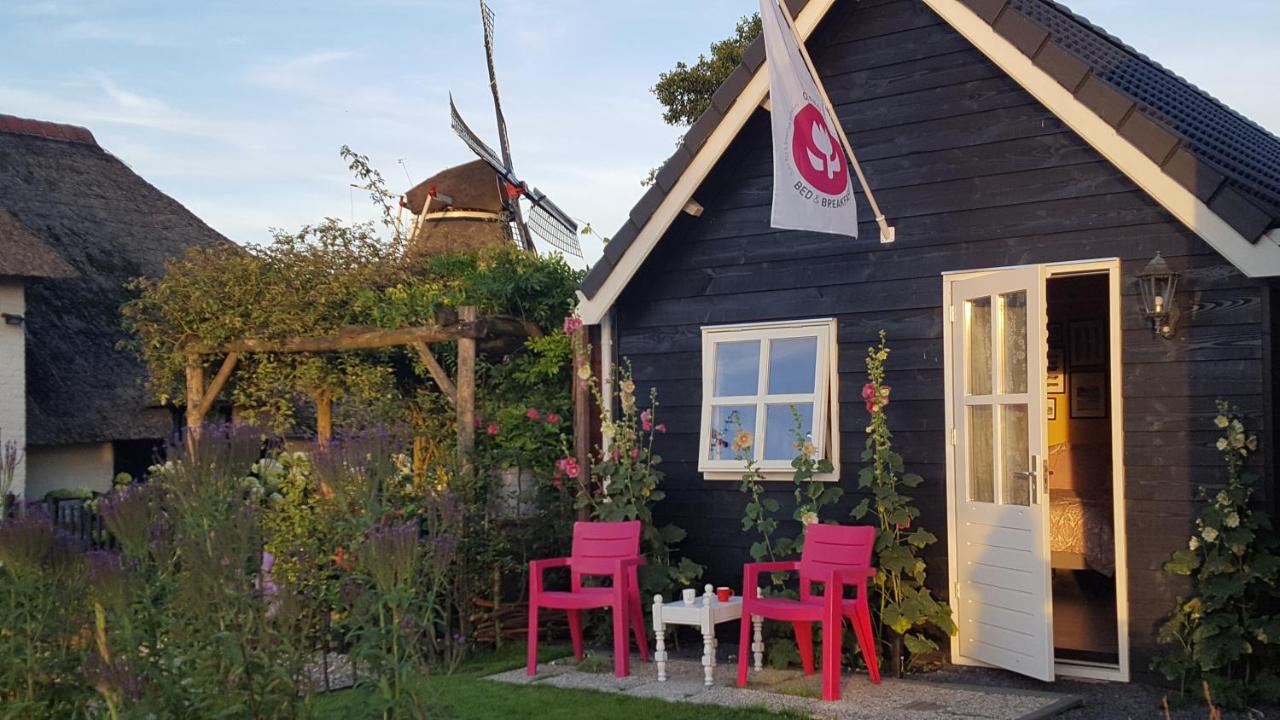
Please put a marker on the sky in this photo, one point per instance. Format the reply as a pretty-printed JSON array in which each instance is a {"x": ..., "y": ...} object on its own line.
[{"x": 238, "y": 109}]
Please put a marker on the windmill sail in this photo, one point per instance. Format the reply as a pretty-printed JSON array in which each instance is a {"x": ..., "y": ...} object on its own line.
[
  {"x": 552, "y": 224},
  {"x": 478, "y": 146},
  {"x": 486, "y": 19}
]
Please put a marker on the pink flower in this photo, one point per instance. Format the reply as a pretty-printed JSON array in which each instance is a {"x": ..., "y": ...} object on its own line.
[
  {"x": 568, "y": 466},
  {"x": 635, "y": 453},
  {"x": 492, "y": 429},
  {"x": 616, "y": 455},
  {"x": 572, "y": 325},
  {"x": 556, "y": 484},
  {"x": 646, "y": 421},
  {"x": 868, "y": 391},
  {"x": 553, "y": 418},
  {"x": 533, "y": 414},
  {"x": 662, "y": 427}
]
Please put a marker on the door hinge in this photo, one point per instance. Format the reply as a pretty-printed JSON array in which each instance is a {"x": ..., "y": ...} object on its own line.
[{"x": 953, "y": 436}]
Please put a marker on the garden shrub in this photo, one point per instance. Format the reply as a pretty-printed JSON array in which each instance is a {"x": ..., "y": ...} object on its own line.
[{"x": 1227, "y": 634}]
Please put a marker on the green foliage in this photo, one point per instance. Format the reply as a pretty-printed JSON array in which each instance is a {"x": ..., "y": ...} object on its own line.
[
  {"x": 906, "y": 608},
  {"x": 625, "y": 480},
  {"x": 685, "y": 90},
  {"x": 1228, "y": 633}
]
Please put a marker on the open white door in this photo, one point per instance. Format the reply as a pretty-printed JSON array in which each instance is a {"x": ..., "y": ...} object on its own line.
[{"x": 1000, "y": 508}]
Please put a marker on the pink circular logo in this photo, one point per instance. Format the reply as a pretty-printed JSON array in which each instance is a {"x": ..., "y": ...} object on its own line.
[{"x": 815, "y": 149}]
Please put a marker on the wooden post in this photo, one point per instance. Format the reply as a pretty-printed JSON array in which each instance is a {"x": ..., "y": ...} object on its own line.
[
  {"x": 582, "y": 420},
  {"x": 195, "y": 392},
  {"x": 324, "y": 416},
  {"x": 465, "y": 386}
]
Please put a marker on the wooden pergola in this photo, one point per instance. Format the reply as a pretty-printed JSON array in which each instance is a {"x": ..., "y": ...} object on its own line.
[{"x": 461, "y": 391}]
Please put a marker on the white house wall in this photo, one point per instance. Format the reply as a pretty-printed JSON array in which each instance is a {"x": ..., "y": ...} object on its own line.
[
  {"x": 13, "y": 388},
  {"x": 59, "y": 467}
]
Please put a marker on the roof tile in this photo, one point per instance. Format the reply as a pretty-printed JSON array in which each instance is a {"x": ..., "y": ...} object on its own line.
[
  {"x": 1062, "y": 66},
  {"x": 702, "y": 128},
  {"x": 620, "y": 241},
  {"x": 596, "y": 276},
  {"x": 1024, "y": 33},
  {"x": 646, "y": 205},
  {"x": 731, "y": 88},
  {"x": 1104, "y": 100},
  {"x": 1241, "y": 214},
  {"x": 675, "y": 166},
  {"x": 1149, "y": 136},
  {"x": 753, "y": 56},
  {"x": 988, "y": 10},
  {"x": 1193, "y": 174}
]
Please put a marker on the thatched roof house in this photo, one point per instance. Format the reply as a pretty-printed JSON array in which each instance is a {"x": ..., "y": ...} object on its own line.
[
  {"x": 70, "y": 209},
  {"x": 458, "y": 209}
]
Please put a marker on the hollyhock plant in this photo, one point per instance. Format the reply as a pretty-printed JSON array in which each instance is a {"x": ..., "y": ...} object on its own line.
[
  {"x": 492, "y": 429},
  {"x": 553, "y": 418},
  {"x": 572, "y": 325},
  {"x": 533, "y": 414}
]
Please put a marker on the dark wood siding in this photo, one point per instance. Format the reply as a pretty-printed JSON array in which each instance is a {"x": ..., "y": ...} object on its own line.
[{"x": 974, "y": 173}]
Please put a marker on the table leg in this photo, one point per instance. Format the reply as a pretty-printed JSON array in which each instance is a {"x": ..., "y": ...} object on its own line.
[
  {"x": 708, "y": 656},
  {"x": 757, "y": 644},
  {"x": 660, "y": 654}
]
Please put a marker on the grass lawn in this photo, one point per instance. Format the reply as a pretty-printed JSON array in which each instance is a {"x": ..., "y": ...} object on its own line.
[{"x": 464, "y": 696}]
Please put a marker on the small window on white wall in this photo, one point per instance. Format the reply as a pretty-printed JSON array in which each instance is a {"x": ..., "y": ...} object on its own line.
[{"x": 768, "y": 393}]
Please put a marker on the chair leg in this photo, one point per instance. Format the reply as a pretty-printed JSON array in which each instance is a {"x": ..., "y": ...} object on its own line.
[
  {"x": 832, "y": 631},
  {"x": 637, "y": 624},
  {"x": 621, "y": 646},
  {"x": 575, "y": 632},
  {"x": 804, "y": 640},
  {"x": 866, "y": 638},
  {"x": 531, "y": 666},
  {"x": 744, "y": 645}
]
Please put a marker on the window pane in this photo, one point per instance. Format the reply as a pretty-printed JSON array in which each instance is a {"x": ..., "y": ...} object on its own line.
[
  {"x": 1013, "y": 344},
  {"x": 780, "y": 429},
  {"x": 977, "y": 316},
  {"x": 981, "y": 455},
  {"x": 737, "y": 368},
  {"x": 1013, "y": 444},
  {"x": 727, "y": 423},
  {"x": 792, "y": 364}
]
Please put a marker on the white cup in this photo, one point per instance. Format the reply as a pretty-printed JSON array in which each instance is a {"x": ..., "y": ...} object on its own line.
[{"x": 689, "y": 595}]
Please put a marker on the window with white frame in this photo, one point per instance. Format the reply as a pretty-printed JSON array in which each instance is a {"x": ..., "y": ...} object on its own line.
[{"x": 768, "y": 393}]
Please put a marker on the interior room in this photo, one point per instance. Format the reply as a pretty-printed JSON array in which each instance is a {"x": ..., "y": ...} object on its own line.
[{"x": 1080, "y": 470}]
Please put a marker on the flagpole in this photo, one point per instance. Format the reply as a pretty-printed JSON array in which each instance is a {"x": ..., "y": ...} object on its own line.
[{"x": 887, "y": 234}]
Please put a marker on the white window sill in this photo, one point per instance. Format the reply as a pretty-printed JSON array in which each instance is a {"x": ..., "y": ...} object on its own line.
[{"x": 779, "y": 475}]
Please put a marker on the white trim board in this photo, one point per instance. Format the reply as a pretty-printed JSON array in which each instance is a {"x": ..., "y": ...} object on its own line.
[{"x": 1260, "y": 259}]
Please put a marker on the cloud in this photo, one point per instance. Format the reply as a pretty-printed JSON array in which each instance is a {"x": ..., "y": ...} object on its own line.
[{"x": 305, "y": 73}]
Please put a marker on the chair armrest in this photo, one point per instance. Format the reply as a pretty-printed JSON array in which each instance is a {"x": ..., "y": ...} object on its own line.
[
  {"x": 853, "y": 576},
  {"x": 752, "y": 572},
  {"x": 536, "y": 568},
  {"x": 834, "y": 591},
  {"x": 635, "y": 561}
]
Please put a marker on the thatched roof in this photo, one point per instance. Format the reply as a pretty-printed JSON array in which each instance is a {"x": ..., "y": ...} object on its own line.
[
  {"x": 109, "y": 226},
  {"x": 25, "y": 255},
  {"x": 471, "y": 186}
]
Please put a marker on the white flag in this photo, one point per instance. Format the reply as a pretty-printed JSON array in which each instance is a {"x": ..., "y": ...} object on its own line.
[{"x": 812, "y": 187}]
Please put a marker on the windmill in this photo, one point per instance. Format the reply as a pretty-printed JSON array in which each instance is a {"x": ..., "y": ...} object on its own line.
[{"x": 545, "y": 219}]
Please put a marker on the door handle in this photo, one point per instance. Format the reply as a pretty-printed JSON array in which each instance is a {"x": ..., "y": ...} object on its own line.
[{"x": 1030, "y": 477}]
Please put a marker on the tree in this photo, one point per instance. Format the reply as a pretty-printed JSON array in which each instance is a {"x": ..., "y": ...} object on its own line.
[{"x": 685, "y": 90}]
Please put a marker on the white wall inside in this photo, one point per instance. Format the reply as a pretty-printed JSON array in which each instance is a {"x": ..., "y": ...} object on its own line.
[
  {"x": 59, "y": 467},
  {"x": 13, "y": 377}
]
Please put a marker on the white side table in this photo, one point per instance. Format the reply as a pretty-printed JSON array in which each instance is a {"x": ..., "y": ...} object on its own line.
[{"x": 705, "y": 613}]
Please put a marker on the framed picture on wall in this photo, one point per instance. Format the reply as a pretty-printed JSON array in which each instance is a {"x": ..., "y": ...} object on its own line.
[
  {"x": 1055, "y": 372},
  {"x": 1088, "y": 394},
  {"x": 1086, "y": 344},
  {"x": 1051, "y": 408}
]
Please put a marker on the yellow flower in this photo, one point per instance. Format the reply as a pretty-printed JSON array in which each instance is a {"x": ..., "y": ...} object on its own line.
[
  {"x": 628, "y": 386},
  {"x": 809, "y": 518},
  {"x": 741, "y": 441},
  {"x": 584, "y": 372},
  {"x": 1221, "y": 421},
  {"x": 809, "y": 450}
]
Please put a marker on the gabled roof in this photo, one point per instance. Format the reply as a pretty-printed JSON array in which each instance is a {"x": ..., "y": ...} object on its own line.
[
  {"x": 1213, "y": 169},
  {"x": 108, "y": 226}
]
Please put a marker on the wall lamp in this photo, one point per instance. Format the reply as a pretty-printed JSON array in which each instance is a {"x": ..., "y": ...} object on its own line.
[{"x": 1158, "y": 284}]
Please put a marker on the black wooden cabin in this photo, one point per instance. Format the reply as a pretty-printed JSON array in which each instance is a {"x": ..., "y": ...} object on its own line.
[{"x": 996, "y": 134}]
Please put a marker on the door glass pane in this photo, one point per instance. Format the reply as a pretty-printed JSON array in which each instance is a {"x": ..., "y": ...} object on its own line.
[
  {"x": 733, "y": 430},
  {"x": 977, "y": 315},
  {"x": 982, "y": 475},
  {"x": 1013, "y": 342},
  {"x": 1014, "y": 443},
  {"x": 791, "y": 365},
  {"x": 737, "y": 368},
  {"x": 780, "y": 430}
]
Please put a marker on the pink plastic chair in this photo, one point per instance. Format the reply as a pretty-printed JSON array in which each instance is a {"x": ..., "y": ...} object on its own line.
[
  {"x": 837, "y": 557},
  {"x": 601, "y": 549}
]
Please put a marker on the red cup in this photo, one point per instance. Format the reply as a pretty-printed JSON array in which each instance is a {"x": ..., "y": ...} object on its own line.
[{"x": 723, "y": 594}]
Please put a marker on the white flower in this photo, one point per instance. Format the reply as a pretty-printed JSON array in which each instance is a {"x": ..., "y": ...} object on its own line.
[
  {"x": 1209, "y": 534},
  {"x": 1232, "y": 520},
  {"x": 1221, "y": 421},
  {"x": 809, "y": 518},
  {"x": 1222, "y": 443},
  {"x": 1222, "y": 498},
  {"x": 1237, "y": 426},
  {"x": 1253, "y": 442},
  {"x": 1194, "y": 543}
]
